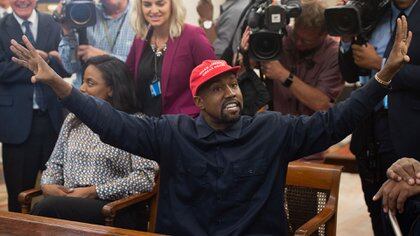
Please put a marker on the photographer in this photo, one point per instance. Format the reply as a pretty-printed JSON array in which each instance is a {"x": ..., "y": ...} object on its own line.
[
  {"x": 306, "y": 78},
  {"x": 392, "y": 130},
  {"x": 112, "y": 34}
]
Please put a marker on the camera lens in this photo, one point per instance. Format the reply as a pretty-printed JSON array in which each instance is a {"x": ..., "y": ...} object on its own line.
[
  {"x": 265, "y": 45},
  {"x": 80, "y": 14},
  {"x": 346, "y": 24}
]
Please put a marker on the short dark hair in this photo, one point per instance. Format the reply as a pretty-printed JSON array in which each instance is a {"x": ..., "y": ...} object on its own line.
[{"x": 117, "y": 76}]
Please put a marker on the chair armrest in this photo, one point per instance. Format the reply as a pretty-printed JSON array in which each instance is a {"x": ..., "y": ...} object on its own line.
[
  {"x": 321, "y": 218},
  {"x": 111, "y": 208},
  {"x": 25, "y": 198}
]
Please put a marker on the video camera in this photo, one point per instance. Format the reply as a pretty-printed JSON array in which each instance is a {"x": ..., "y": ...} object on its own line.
[
  {"x": 77, "y": 13},
  {"x": 268, "y": 22},
  {"x": 357, "y": 17}
]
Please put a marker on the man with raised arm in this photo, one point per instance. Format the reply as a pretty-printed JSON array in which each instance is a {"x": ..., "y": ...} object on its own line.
[{"x": 221, "y": 173}]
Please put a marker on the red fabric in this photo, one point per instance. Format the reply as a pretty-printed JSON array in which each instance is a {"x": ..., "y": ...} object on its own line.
[
  {"x": 206, "y": 71},
  {"x": 182, "y": 55}
]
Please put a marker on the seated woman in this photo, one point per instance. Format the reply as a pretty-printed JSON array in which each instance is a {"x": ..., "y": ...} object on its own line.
[
  {"x": 83, "y": 173},
  {"x": 162, "y": 56}
]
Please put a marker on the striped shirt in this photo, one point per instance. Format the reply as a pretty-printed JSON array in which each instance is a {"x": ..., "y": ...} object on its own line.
[{"x": 112, "y": 35}]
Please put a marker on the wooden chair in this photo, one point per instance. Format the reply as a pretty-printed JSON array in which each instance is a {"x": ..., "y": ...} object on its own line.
[
  {"x": 311, "y": 198},
  {"x": 110, "y": 210}
]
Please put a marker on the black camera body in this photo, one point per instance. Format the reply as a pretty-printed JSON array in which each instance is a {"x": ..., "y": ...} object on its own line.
[
  {"x": 77, "y": 13},
  {"x": 357, "y": 17},
  {"x": 268, "y": 23}
]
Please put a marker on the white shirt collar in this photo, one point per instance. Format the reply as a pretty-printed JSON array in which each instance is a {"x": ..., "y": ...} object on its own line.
[{"x": 33, "y": 18}]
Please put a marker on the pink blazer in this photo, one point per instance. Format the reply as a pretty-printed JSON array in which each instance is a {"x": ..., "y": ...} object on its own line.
[{"x": 182, "y": 55}]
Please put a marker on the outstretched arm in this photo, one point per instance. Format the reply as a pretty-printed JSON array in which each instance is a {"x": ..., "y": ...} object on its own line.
[
  {"x": 136, "y": 135},
  {"x": 316, "y": 133}
]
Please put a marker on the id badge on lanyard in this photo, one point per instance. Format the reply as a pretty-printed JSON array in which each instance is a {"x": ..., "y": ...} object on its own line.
[{"x": 155, "y": 87}]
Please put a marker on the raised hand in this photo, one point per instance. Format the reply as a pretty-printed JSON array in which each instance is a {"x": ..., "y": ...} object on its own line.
[
  {"x": 30, "y": 58},
  {"x": 398, "y": 55}
]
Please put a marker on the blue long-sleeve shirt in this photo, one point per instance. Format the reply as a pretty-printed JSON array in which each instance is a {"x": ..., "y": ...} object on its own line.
[{"x": 228, "y": 182}]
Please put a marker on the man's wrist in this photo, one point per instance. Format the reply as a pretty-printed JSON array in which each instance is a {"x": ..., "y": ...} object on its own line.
[{"x": 289, "y": 80}]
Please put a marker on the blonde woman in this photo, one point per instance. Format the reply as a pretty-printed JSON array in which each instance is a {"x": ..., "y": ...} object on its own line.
[{"x": 162, "y": 56}]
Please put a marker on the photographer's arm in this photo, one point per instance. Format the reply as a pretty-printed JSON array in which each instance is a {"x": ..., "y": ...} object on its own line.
[{"x": 312, "y": 97}]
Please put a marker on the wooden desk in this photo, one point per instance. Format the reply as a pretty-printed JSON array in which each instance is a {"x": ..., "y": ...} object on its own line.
[{"x": 21, "y": 224}]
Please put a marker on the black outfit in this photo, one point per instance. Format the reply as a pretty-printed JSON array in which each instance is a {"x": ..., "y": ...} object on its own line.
[
  {"x": 88, "y": 210},
  {"x": 149, "y": 105},
  {"x": 226, "y": 182},
  {"x": 388, "y": 134},
  {"x": 28, "y": 135}
]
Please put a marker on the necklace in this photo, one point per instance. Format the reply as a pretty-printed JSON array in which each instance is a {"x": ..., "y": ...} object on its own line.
[{"x": 158, "y": 52}]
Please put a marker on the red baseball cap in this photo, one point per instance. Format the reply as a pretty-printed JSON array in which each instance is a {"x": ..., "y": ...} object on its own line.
[{"x": 208, "y": 70}]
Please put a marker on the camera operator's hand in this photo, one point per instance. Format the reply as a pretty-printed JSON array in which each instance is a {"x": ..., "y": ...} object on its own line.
[
  {"x": 365, "y": 56},
  {"x": 55, "y": 55},
  {"x": 64, "y": 27},
  {"x": 84, "y": 52},
  {"x": 245, "y": 40},
  {"x": 274, "y": 70},
  {"x": 205, "y": 10}
]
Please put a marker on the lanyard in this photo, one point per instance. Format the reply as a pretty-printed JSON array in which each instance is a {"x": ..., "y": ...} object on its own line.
[{"x": 107, "y": 34}]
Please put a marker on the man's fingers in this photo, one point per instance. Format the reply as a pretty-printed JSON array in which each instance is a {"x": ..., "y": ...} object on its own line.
[
  {"x": 392, "y": 175},
  {"x": 402, "y": 197},
  {"x": 409, "y": 37},
  {"x": 16, "y": 47},
  {"x": 20, "y": 62},
  {"x": 378, "y": 195},
  {"x": 392, "y": 202},
  {"x": 29, "y": 46}
]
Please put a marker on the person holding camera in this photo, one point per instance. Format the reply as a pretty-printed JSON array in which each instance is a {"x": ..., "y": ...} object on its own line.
[
  {"x": 306, "y": 79},
  {"x": 162, "y": 56},
  {"x": 390, "y": 131},
  {"x": 31, "y": 115},
  {"x": 222, "y": 173},
  {"x": 111, "y": 34}
]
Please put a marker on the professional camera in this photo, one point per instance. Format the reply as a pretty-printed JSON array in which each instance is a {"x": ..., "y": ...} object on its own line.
[
  {"x": 357, "y": 17},
  {"x": 77, "y": 13},
  {"x": 268, "y": 22}
]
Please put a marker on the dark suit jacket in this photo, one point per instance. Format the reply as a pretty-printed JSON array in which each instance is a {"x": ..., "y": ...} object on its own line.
[
  {"x": 183, "y": 54},
  {"x": 16, "y": 89},
  {"x": 404, "y": 98}
]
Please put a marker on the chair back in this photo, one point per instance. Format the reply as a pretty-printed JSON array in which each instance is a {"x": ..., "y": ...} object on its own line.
[{"x": 311, "y": 198}]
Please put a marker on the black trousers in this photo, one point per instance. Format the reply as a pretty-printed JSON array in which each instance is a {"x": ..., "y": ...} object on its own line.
[
  {"x": 22, "y": 162},
  {"x": 372, "y": 169},
  {"x": 88, "y": 210}
]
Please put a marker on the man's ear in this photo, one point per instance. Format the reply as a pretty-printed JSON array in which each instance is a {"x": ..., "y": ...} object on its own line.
[{"x": 199, "y": 102}]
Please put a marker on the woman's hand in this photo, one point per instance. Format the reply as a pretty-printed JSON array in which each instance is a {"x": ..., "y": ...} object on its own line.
[
  {"x": 55, "y": 190},
  {"x": 30, "y": 58}
]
